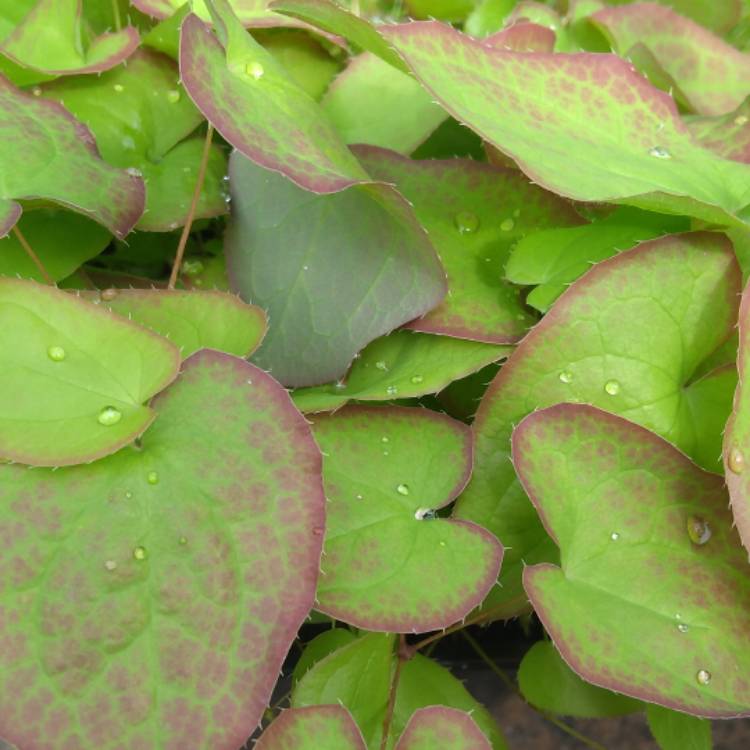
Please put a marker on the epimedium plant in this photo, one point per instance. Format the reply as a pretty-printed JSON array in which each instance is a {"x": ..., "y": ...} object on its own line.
[{"x": 399, "y": 318}]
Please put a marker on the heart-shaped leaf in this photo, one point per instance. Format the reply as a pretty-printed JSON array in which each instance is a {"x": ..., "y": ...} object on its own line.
[
  {"x": 727, "y": 135},
  {"x": 313, "y": 728},
  {"x": 442, "y": 728},
  {"x": 149, "y": 598},
  {"x": 457, "y": 202},
  {"x": 51, "y": 38},
  {"x": 678, "y": 731},
  {"x": 711, "y": 73},
  {"x": 387, "y": 472},
  {"x": 652, "y": 598},
  {"x": 629, "y": 337},
  {"x": 191, "y": 320},
  {"x": 248, "y": 96},
  {"x": 401, "y": 365},
  {"x": 540, "y": 109},
  {"x": 355, "y": 265},
  {"x": 140, "y": 114},
  {"x": 49, "y": 154},
  {"x": 74, "y": 377}
]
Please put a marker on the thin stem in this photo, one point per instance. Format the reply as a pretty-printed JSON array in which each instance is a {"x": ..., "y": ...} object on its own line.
[
  {"x": 485, "y": 657},
  {"x": 193, "y": 206},
  {"x": 403, "y": 656},
  {"x": 116, "y": 13},
  {"x": 34, "y": 257}
]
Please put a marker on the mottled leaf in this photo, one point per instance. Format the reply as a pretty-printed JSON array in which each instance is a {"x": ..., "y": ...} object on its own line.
[
  {"x": 139, "y": 115},
  {"x": 401, "y": 365},
  {"x": 355, "y": 265},
  {"x": 711, "y": 74},
  {"x": 652, "y": 598},
  {"x": 727, "y": 135},
  {"x": 629, "y": 142},
  {"x": 473, "y": 214},
  {"x": 61, "y": 240},
  {"x": 49, "y": 154},
  {"x": 149, "y": 599},
  {"x": 627, "y": 337},
  {"x": 313, "y": 728},
  {"x": 74, "y": 377},
  {"x": 523, "y": 37},
  {"x": 678, "y": 731},
  {"x": 717, "y": 15},
  {"x": 387, "y": 472},
  {"x": 191, "y": 320},
  {"x": 248, "y": 96},
  {"x": 549, "y": 684},
  {"x": 442, "y": 728},
  {"x": 53, "y": 38}
]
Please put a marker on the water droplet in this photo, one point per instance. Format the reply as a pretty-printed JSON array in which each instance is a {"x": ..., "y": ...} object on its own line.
[
  {"x": 612, "y": 387},
  {"x": 442, "y": 543},
  {"x": 380, "y": 365},
  {"x": 507, "y": 225},
  {"x": 391, "y": 390},
  {"x": 110, "y": 565},
  {"x": 359, "y": 497},
  {"x": 736, "y": 461},
  {"x": 614, "y": 536},
  {"x": 741, "y": 120},
  {"x": 56, "y": 353},
  {"x": 703, "y": 676},
  {"x": 225, "y": 178},
  {"x": 340, "y": 385},
  {"x": 386, "y": 453},
  {"x": 416, "y": 379},
  {"x": 698, "y": 530},
  {"x": 108, "y": 294},
  {"x": 173, "y": 96},
  {"x": 192, "y": 267},
  {"x": 140, "y": 553},
  {"x": 254, "y": 70},
  {"x": 682, "y": 627},
  {"x": 128, "y": 495},
  {"x": 305, "y": 268},
  {"x": 183, "y": 540},
  {"x": 403, "y": 489},
  {"x": 384, "y": 439},
  {"x": 566, "y": 376},
  {"x": 152, "y": 477},
  {"x": 36, "y": 91},
  {"x": 109, "y": 415},
  {"x": 119, "y": 88},
  {"x": 425, "y": 514},
  {"x": 466, "y": 222},
  {"x": 659, "y": 153},
  {"x": 134, "y": 172}
]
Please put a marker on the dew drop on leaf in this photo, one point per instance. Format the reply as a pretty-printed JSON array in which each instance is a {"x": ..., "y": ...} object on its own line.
[
  {"x": 416, "y": 379},
  {"x": 152, "y": 477},
  {"x": 173, "y": 96},
  {"x": 736, "y": 461},
  {"x": 403, "y": 489},
  {"x": 384, "y": 439},
  {"x": 466, "y": 222},
  {"x": 425, "y": 514},
  {"x": 740, "y": 120},
  {"x": 507, "y": 225},
  {"x": 109, "y": 415},
  {"x": 566, "y": 376},
  {"x": 134, "y": 172},
  {"x": 682, "y": 627},
  {"x": 359, "y": 497},
  {"x": 56, "y": 353},
  {"x": 659, "y": 153},
  {"x": 254, "y": 70},
  {"x": 703, "y": 676},
  {"x": 119, "y": 88},
  {"x": 340, "y": 385},
  {"x": 110, "y": 565},
  {"x": 391, "y": 390},
  {"x": 380, "y": 365},
  {"x": 612, "y": 387},
  {"x": 698, "y": 530},
  {"x": 140, "y": 553},
  {"x": 183, "y": 540},
  {"x": 614, "y": 536}
]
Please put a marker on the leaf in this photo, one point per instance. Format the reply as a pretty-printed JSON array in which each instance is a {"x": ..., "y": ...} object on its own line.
[
  {"x": 387, "y": 472},
  {"x": 74, "y": 378},
  {"x": 151, "y": 597},
  {"x": 356, "y": 265},
  {"x": 191, "y": 320},
  {"x": 523, "y": 37},
  {"x": 140, "y": 115},
  {"x": 553, "y": 258},
  {"x": 652, "y": 596},
  {"x": 627, "y": 337},
  {"x": 62, "y": 240},
  {"x": 488, "y": 17},
  {"x": 676, "y": 731},
  {"x": 51, "y": 38},
  {"x": 372, "y": 102},
  {"x": 401, "y": 365},
  {"x": 457, "y": 202},
  {"x": 549, "y": 684},
  {"x": 727, "y": 135},
  {"x": 247, "y": 95},
  {"x": 442, "y": 728},
  {"x": 319, "y": 647},
  {"x": 709, "y": 72},
  {"x": 312, "y": 728},
  {"x": 10, "y": 213},
  {"x": 718, "y": 16},
  {"x": 48, "y": 154},
  {"x": 538, "y": 110}
]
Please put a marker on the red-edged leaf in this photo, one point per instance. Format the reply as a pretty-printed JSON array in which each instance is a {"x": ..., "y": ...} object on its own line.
[
  {"x": 313, "y": 728},
  {"x": 442, "y": 728}
]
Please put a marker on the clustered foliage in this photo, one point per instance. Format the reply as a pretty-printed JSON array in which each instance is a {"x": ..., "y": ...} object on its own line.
[{"x": 313, "y": 311}]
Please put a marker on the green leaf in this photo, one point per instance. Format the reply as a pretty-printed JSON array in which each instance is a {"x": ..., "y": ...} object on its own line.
[
  {"x": 727, "y": 135},
  {"x": 374, "y": 103},
  {"x": 53, "y": 38},
  {"x": 140, "y": 114},
  {"x": 312, "y": 728},
  {"x": 253, "y": 13},
  {"x": 191, "y": 320},
  {"x": 627, "y": 337},
  {"x": 387, "y": 472},
  {"x": 549, "y": 684},
  {"x": 356, "y": 265},
  {"x": 62, "y": 241},
  {"x": 49, "y": 154},
  {"x": 74, "y": 378},
  {"x": 402, "y": 365},
  {"x": 442, "y": 728},
  {"x": 651, "y": 598},
  {"x": 151, "y": 596},
  {"x": 319, "y": 647},
  {"x": 457, "y": 202},
  {"x": 488, "y": 17},
  {"x": 712, "y": 75},
  {"x": 551, "y": 259},
  {"x": 676, "y": 731},
  {"x": 165, "y": 35},
  {"x": 540, "y": 110},
  {"x": 248, "y": 96},
  {"x": 717, "y": 15}
]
